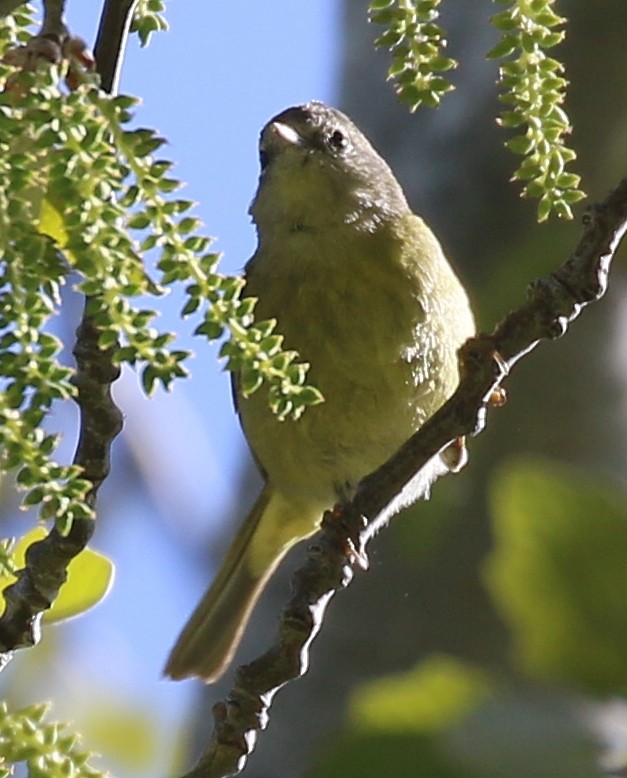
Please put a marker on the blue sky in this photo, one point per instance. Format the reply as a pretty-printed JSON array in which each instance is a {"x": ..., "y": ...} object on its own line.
[{"x": 208, "y": 85}]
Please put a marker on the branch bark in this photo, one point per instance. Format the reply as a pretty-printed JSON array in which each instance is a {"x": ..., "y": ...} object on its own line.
[
  {"x": 553, "y": 302},
  {"x": 115, "y": 22},
  {"x": 53, "y": 24}
]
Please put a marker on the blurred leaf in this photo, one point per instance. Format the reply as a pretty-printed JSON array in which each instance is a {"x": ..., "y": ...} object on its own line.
[
  {"x": 112, "y": 726},
  {"x": 558, "y": 572},
  {"x": 90, "y": 576},
  {"x": 396, "y": 723},
  {"x": 428, "y": 698}
]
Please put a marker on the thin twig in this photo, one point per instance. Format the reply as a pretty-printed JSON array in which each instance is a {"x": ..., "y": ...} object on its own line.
[
  {"x": 115, "y": 22},
  {"x": 553, "y": 303}
]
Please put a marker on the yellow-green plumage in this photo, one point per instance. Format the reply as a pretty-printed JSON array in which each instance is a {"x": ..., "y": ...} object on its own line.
[{"x": 361, "y": 289}]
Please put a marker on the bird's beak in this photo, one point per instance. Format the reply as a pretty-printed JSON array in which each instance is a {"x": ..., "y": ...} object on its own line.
[{"x": 278, "y": 136}]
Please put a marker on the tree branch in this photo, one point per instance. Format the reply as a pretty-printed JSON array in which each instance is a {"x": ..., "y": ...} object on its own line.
[
  {"x": 8, "y": 6},
  {"x": 46, "y": 561},
  {"x": 553, "y": 303},
  {"x": 54, "y": 25},
  {"x": 115, "y": 22}
]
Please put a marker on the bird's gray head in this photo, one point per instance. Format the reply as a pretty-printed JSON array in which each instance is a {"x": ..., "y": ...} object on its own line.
[{"x": 318, "y": 169}]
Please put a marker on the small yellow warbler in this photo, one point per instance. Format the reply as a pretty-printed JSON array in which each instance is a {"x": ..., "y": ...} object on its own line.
[{"x": 360, "y": 288}]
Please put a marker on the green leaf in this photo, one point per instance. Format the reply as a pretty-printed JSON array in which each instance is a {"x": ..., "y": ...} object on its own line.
[
  {"x": 545, "y": 204},
  {"x": 429, "y": 698},
  {"x": 309, "y": 395},
  {"x": 558, "y": 572},
  {"x": 190, "y": 306},
  {"x": 521, "y": 144},
  {"x": 249, "y": 381},
  {"x": 376, "y": 5},
  {"x": 568, "y": 181},
  {"x": 504, "y": 21},
  {"x": 51, "y": 223},
  {"x": 169, "y": 184},
  {"x": 212, "y": 330},
  {"x": 188, "y": 224},
  {"x": 504, "y": 48},
  {"x": 138, "y": 221},
  {"x": 573, "y": 196},
  {"x": 90, "y": 577},
  {"x": 149, "y": 377}
]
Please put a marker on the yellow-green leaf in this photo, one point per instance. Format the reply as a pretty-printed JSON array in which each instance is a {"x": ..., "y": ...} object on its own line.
[
  {"x": 90, "y": 576},
  {"x": 558, "y": 572},
  {"x": 51, "y": 223},
  {"x": 429, "y": 698},
  {"x": 112, "y": 725}
]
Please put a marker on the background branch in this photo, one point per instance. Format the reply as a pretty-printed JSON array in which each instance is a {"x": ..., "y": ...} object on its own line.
[{"x": 553, "y": 303}]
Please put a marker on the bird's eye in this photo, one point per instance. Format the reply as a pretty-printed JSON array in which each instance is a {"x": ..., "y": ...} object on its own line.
[{"x": 338, "y": 140}]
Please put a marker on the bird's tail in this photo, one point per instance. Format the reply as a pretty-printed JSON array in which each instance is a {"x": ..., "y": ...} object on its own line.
[{"x": 210, "y": 638}]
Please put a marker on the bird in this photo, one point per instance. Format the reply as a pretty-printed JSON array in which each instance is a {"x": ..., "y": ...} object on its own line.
[{"x": 360, "y": 287}]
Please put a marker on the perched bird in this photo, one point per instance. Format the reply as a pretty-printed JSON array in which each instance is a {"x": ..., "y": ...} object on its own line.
[{"x": 360, "y": 287}]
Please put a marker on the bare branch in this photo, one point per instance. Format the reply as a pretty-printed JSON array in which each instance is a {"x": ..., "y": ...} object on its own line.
[
  {"x": 553, "y": 303},
  {"x": 115, "y": 22}
]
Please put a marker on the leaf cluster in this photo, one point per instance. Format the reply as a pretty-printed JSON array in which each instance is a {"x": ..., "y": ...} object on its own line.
[
  {"x": 534, "y": 91},
  {"x": 31, "y": 273},
  {"x": 255, "y": 353},
  {"x": 148, "y": 17},
  {"x": 15, "y": 27},
  {"x": 49, "y": 750},
  {"x": 416, "y": 43},
  {"x": 532, "y": 85}
]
